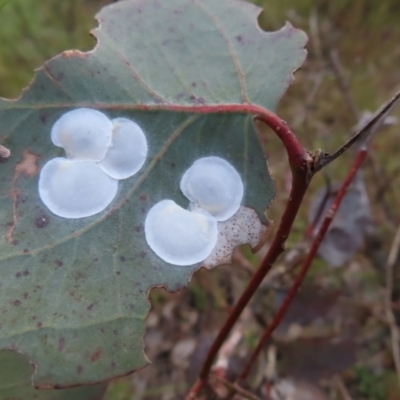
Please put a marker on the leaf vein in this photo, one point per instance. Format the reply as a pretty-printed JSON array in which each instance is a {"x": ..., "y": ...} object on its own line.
[
  {"x": 151, "y": 91},
  {"x": 55, "y": 81},
  {"x": 232, "y": 52}
]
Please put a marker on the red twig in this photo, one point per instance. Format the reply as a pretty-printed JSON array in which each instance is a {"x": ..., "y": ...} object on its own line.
[
  {"x": 195, "y": 389},
  {"x": 300, "y": 163},
  {"x": 307, "y": 262}
]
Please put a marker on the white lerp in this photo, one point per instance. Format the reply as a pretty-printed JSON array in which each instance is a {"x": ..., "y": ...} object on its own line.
[
  {"x": 179, "y": 236},
  {"x": 128, "y": 150},
  {"x": 85, "y": 134},
  {"x": 75, "y": 189},
  {"x": 213, "y": 184}
]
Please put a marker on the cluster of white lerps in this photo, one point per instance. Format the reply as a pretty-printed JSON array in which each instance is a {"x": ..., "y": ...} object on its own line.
[
  {"x": 101, "y": 151},
  {"x": 186, "y": 237}
]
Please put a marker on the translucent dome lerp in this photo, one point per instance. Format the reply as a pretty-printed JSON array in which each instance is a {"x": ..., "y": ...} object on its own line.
[
  {"x": 214, "y": 185},
  {"x": 75, "y": 189},
  {"x": 85, "y": 134},
  {"x": 128, "y": 150},
  {"x": 179, "y": 236}
]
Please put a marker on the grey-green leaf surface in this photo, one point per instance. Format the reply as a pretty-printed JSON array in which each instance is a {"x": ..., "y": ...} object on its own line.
[
  {"x": 73, "y": 293},
  {"x": 16, "y": 384}
]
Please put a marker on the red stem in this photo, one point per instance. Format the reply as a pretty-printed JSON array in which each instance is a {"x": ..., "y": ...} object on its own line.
[
  {"x": 298, "y": 159},
  {"x": 195, "y": 389},
  {"x": 307, "y": 262},
  {"x": 293, "y": 147}
]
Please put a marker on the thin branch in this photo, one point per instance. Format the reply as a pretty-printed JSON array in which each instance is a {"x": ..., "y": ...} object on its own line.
[
  {"x": 300, "y": 162},
  {"x": 307, "y": 262},
  {"x": 371, "y": 126},
  {"x": 393, "y": 254},
  {"x": 196, "y": 389},
  {"x": 236, "y": 388}
]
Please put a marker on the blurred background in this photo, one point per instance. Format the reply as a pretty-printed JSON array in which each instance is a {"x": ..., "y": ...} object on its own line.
[{"x": 338, "y": 341}]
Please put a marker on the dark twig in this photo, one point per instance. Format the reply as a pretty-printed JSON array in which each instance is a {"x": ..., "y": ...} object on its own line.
[
  {"x": 343, "y": 84},
  {"x": 372, "y": 125}
]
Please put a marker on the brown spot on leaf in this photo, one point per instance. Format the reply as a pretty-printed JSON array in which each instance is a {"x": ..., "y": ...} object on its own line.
[
  {"x": 16, "y": 303},
  {"x": 79, "y": 369},
  {"x": 96, "y": 355},
  {"x": 36, "y": 288},
  {"x": 90, "y": 307},
  {"x": 27, "y": 167},
  {"x": 122, "y": 259},
  {"x": 59, "y": 263},
  {"x": 42, "y": 221}
]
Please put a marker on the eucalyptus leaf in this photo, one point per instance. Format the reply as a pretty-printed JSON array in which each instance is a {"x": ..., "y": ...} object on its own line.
[
  {"x": 74, "y": 291},
  {"x": 15, "y": 383}
]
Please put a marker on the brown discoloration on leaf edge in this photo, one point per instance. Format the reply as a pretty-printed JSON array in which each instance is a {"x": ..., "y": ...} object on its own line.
[{"x": 29, "y": 168}]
